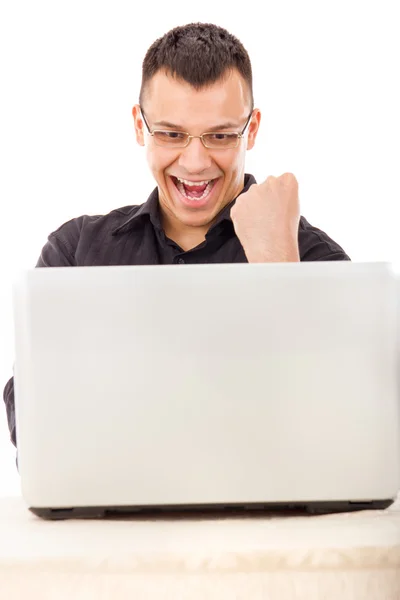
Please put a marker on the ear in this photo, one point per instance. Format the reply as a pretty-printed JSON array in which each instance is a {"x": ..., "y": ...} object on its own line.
[
  {"x": 253, "y": 128},
  {"x": 139, "y": 124}
]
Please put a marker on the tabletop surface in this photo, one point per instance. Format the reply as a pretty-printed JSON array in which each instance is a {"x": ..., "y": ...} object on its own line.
[
  {"x": 26, "y": 537},
  {"x": 351, "y": 556}
]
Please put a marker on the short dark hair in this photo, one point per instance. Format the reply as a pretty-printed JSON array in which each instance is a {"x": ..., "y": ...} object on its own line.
[{"x": 198, "y": 53}]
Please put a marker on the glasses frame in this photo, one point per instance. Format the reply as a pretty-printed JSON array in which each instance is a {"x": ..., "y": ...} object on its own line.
[{"x": 189, "y": 138}]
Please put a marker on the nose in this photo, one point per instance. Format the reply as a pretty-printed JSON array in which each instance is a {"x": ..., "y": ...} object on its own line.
[{"x": 195, "y": 158}]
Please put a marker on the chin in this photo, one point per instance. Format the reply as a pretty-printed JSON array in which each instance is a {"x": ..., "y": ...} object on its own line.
[{"x": 197, "y": 220}]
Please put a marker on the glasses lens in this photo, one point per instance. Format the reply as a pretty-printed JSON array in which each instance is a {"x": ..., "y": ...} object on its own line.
[
  {"x": 221, "y": 140},
  {"x": 170, "y": 138}
]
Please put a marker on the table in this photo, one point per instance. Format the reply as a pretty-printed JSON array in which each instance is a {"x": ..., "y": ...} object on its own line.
[{"x": 328, "y": 557}]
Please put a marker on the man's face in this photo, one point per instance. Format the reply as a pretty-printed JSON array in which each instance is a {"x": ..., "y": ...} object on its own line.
[{"x": 174, "y": 105}]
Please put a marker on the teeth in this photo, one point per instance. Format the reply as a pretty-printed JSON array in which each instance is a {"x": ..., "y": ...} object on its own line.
[
  {"x": 188, "y": 183},
  {"x": 204, "y": 194}
]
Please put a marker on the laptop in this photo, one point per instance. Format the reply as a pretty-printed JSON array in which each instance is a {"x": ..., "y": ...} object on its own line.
[{"x": 186, "y": 387}]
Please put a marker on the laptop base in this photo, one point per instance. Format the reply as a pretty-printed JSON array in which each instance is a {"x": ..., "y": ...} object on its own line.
[{"x": 210, "y": 510}]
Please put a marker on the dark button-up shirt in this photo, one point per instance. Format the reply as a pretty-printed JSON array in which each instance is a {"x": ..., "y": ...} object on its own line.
[{"x": 133, "y": 235}]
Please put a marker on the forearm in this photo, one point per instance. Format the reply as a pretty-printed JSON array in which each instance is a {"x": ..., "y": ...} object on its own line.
[{"x": 281, "y": 250}]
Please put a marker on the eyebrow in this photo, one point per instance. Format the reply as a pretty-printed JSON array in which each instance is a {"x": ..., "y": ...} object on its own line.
[{"x": 226, "y": 125}]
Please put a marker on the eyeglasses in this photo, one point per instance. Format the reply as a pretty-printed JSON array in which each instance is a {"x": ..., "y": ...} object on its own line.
[{"x": 218, "y": 140}]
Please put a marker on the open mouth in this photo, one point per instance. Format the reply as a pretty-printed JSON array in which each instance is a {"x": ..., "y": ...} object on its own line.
[{"x": 194, "y": 191}]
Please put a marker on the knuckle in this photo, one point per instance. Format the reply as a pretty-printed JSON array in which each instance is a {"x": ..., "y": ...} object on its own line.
[{"x": 288, "y": 178}]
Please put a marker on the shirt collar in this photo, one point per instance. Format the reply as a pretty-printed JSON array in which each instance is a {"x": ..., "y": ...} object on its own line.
[{"x": 151, "y": 210}]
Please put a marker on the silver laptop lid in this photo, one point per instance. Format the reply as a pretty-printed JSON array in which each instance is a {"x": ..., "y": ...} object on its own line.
[{"x": 207, "y": 384}]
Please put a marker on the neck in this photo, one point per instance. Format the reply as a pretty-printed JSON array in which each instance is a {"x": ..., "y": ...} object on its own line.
[{"x": 185, "y": 236}]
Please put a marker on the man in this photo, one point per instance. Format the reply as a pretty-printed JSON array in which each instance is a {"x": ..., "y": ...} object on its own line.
[{"x": 196, "y": 120}]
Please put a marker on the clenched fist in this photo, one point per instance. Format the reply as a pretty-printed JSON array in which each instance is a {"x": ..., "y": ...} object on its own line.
[{"x": 266, "y": 220}]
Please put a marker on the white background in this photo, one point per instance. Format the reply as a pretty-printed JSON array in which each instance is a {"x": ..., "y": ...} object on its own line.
[{"x": 325, "y": 77}]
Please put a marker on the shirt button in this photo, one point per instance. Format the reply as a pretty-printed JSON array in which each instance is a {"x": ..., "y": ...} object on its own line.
[{"x": 181, "y": 261}]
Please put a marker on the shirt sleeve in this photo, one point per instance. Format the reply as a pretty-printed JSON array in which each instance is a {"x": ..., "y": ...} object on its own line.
[
  {"x": 315, "y": 244},
  {"x": 8, "y": 396},
  {"x": 59, "y": 251}
]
